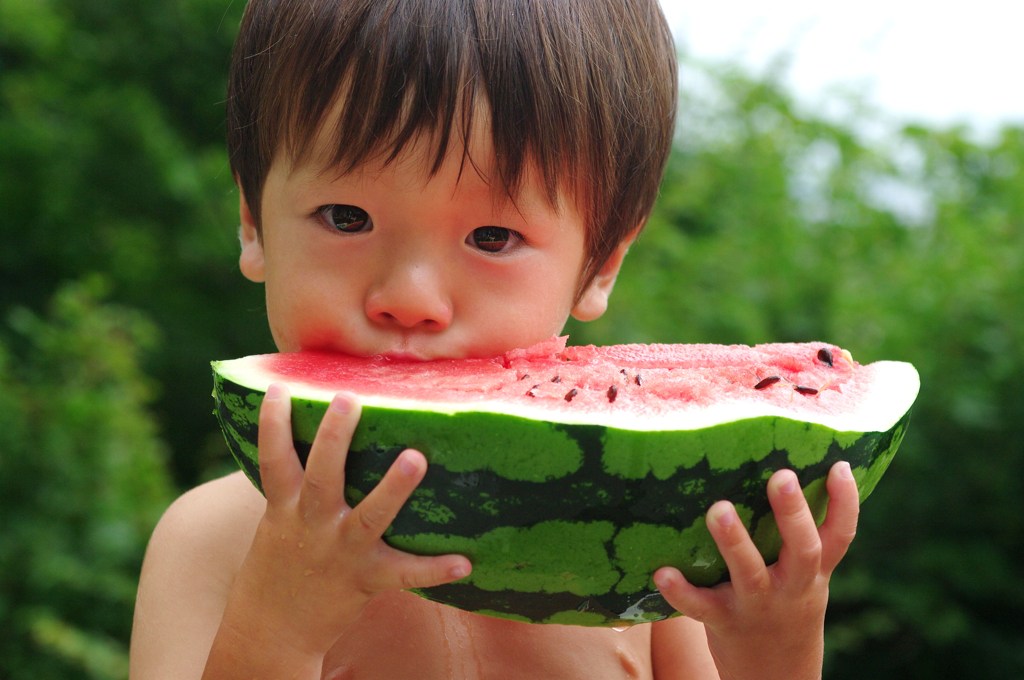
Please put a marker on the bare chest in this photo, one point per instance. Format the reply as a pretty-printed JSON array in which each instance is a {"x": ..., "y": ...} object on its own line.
[{"x": 403, "y": 636}]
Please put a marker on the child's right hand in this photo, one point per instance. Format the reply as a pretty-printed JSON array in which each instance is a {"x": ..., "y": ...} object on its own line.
[{"x": 315, "y": 562}]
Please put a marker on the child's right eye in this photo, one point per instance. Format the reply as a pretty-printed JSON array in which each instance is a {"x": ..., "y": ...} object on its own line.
[{"x": 347, "y": 219}]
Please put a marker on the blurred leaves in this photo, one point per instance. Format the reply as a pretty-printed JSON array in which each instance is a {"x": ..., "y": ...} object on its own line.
[
  {"x": 112, "y": 161},
  {"x": 83, "y": 479},
  {"x": 776, "y": 222}
]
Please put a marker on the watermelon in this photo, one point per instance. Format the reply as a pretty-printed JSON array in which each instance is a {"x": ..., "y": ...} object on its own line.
[{"x": 569, "y": 474}]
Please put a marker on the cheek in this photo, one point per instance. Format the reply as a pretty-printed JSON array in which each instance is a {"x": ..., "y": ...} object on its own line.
[
  {"x": 531, "y": 308},
  {"x": 282, "y": 327},
  {"x": 306, "y": 311}
]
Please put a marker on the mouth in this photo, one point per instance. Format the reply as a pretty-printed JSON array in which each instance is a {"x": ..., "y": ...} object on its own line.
[
  {"x": 403, "y": 357},
  {"x": 402, "y": 351}
]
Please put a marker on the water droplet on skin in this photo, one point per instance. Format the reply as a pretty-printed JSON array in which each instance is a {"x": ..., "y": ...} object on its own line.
[{"x": 463, "y": 660}]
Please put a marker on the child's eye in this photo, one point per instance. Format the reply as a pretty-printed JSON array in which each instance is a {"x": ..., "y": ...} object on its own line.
[
  {"x": 347, "y": 219},
  {"x": 494, "y": 239}
]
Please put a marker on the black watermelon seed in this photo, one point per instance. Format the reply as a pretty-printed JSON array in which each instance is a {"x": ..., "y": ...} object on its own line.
[
  {"x": 809, "y": 391},
  {"x": 530, "y": 392},
  {"x": 613, "y": 392},
  {"x": 557, "y": 379},
  {"x": 571, "y": 393},
  {"x": 638, "y": 380},
  {"x": 825, "y": 356},
  {"x": 767, "y": 382}
]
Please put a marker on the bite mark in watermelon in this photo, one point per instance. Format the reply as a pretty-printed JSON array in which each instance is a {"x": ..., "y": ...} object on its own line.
[{"x": 568, "y": 475}]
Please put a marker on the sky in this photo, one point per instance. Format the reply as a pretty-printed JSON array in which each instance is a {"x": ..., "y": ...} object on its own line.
[{"x": 939, "y": 62}]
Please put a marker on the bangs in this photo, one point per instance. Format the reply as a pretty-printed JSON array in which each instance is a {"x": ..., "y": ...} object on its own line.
[
  {"x": 374, "y": 77},
  {"x": 566, "y": 86}
]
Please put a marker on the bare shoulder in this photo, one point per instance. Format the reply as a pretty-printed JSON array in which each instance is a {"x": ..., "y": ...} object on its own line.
[
  {"x": 205, "y": 533},
  {"x": 193, "y": 556},
  {"x": 214, "y": 517}
]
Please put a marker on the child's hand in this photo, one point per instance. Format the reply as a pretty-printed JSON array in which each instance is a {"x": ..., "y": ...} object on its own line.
[
  {"x": 315, "y": 562},
  {"x": 768, "y": 622}
]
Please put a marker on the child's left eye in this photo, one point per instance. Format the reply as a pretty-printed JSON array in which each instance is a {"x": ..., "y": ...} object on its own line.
[{"x": 494, "y": 239}]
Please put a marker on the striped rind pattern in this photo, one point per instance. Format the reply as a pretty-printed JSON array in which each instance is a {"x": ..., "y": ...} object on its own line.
[{"x": 567, "y": 523}]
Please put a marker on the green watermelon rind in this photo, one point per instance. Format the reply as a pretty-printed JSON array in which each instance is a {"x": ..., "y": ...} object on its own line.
[{"x": 568, "y": 525}]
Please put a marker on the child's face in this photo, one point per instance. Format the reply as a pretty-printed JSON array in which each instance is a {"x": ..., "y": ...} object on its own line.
[{"x": 388, "y": 260}]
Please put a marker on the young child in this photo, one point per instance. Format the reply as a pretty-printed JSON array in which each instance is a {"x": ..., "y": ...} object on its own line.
[{"x": 443, "y": 178}]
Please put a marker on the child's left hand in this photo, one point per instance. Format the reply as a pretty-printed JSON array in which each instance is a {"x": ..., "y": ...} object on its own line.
[{"x": 768, "y": 621}]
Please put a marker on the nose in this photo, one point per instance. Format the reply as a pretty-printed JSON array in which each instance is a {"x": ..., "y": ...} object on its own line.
[{"x": 410, "y": 296}]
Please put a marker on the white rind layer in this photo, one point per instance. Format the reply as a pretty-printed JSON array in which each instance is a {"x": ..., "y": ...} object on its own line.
[{"x": 878, "y": 407}]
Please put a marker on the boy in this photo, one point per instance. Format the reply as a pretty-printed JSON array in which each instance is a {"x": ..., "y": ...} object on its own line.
[{"x": 443, "y": 178}]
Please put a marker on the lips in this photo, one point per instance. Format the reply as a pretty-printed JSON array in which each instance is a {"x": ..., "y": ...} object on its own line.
[
  {"x": 407, "y": 349},
  {"x": 403, "y": 356}
]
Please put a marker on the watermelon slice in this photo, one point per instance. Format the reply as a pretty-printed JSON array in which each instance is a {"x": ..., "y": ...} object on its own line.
[{"x": 568, "y": 475}]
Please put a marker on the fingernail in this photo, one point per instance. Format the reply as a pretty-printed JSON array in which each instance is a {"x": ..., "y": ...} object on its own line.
[
  {"x": 275, "y": 392},
  {"x": 406, "y": 465},
  {"x": 459, "y": 571},
  {"x": 789, "y": 487},
  {"x": 844, "y": 469},
  {"x": 723, "y": 515},
  {"x": 341, "y": 403},
  {"x": 662, "y": 579}
]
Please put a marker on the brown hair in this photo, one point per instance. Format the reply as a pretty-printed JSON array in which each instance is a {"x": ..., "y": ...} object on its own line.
[{"x": 585, "y": 90}]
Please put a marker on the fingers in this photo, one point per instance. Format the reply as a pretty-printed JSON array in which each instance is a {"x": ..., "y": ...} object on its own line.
[
  {"x": 700, "y": 604},
  {"x": 366, "y": 523},
  {"x": 414, "y": 571},
  {"x": 747, "y": 569},
  {"x": 324, "y": 481},
  {"x": 319, "y": 489},
  {"x": 280, "y": 471},
  {"x": 840, "y": 525},
  {"x": 800, "y": 558},
  {"x": 800, "y": 576},
  {"x": 341, "y": 544},
  {"x": 373, "y": 515},
  {"x": 748, "y": 575}
]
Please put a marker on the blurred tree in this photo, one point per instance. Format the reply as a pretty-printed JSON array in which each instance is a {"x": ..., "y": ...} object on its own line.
[
  {"x": 83, "y": 479},
  {"x": 111, "y": 116}
]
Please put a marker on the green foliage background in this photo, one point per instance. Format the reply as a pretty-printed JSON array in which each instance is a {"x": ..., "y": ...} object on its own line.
[{"x": 118, "y": 284}]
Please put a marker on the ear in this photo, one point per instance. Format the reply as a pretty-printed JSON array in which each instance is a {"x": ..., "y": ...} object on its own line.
[
  {"x": 594, "y": 300},
  {"x": 250, "y": 261}
]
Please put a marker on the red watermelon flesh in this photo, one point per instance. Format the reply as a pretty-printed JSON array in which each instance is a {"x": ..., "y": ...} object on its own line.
[{"x": 642, "y": 386}]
